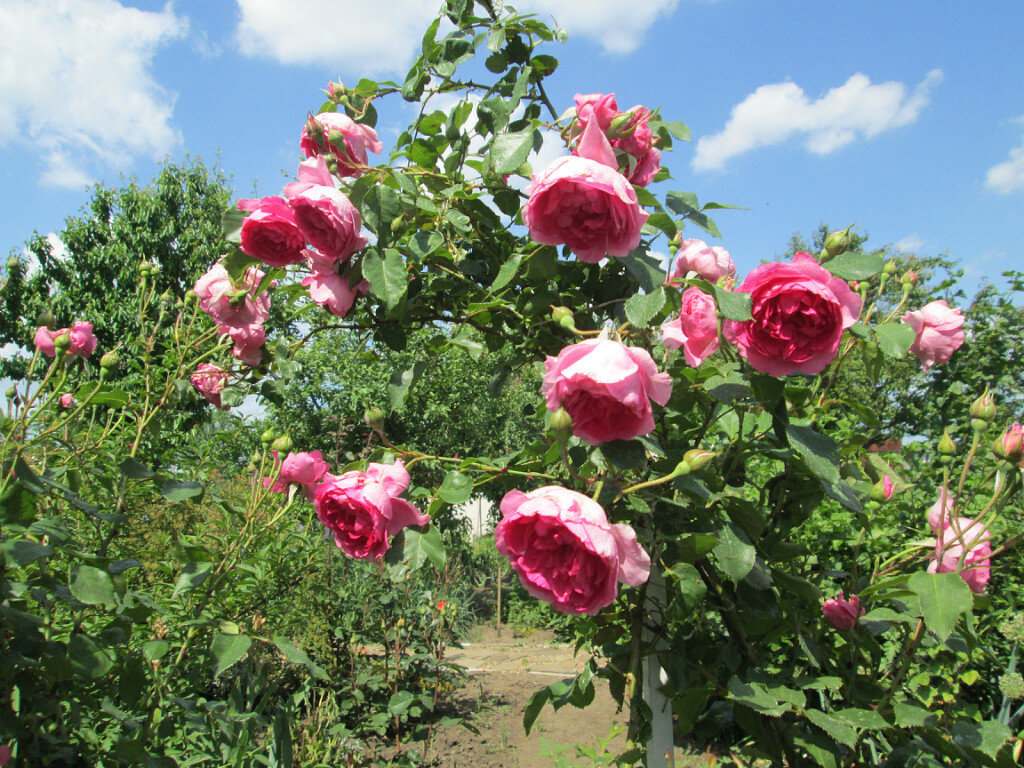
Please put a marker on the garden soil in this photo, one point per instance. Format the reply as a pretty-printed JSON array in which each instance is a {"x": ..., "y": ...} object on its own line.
[{"x": 504, "y": 672}]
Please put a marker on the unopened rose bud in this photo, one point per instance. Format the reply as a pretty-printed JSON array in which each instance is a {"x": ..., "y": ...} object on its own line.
[
  {"x": 46, "y": 318},
  {"x": 282, "y": 445},
  {"x": 336, "y": 91},
  {"x": 1011, "y": 445},
  {"x": 167, "y": 298},
  {"x": 145, "y": 268},
  {"x": 374, "y": 418},
  {"x": 882, "y": 490},
  {"x": 62, "y": 342},
  {"x": 837, "y": 242},
  {"x": 190, "y": 297},
  {"x": 946, "y": 448},
  {"x": 110, "y": 360},
  {"x": 983, "y": 411},
  {"x": 890, "y": 267},
  {"x": 563, "y": 316},
  {"x": 269, "y": 435},
  {"x": 619, "y": 124},
  {"x": 910, "y": 277},
  {"x": 698, "y": 458},
  {"x": 561, "y": 422},
  {"x": 12, "y": 395}
]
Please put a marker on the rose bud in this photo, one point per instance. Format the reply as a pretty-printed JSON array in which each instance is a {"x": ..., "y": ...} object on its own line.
[
  {"x": 283, "y": 444},
  {"x": 837, "y": 242},
  {"x": 842, "y": 613},
  {"x": 269, "y": 435},
  {"x": 1011, "y": 445},
  {"x": 983, "y": 411},
  {"x": 561, "y": 422},
  {"x": 946, "y": 447},
  {"x": 110, "y": 360},
  {"x": 374, "y": 418},
  {"x": 62, "y": 342},
  {"x": 698, "y": 458},
  {"x": 910, "y": 278},
  {"x": 882, "y": 490}
]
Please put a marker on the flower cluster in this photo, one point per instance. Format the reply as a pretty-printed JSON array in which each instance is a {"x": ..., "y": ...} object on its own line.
[{"x": 77, "y": 341}]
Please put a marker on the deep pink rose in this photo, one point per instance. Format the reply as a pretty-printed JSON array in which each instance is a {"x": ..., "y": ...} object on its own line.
[
  {"x": 711, "y": 262},
  {"x": 44, "y": 339},
  {"x": 599, "y": 106},
  {"x": 312, "y": 172},
  {"x": 349, "y": 144},
  {"x": 209, "y": 381},
  {"x": 585, "y": 205},
  {"x": 83, "y": 340},
  {"x": 230, "y": 305},
  {"x": 329, "y": 221},
  {"x": 696, "y": 328},
  {"x": 249, "y": 341},
  {"x": 363, "y": 511},
  {"x": 271, "y": 234},
  {"x": 564, "y": 550},
  {"x": 647, "y": 165},
  {"x": 329, "y": 287},
  {"x": 799, "y": 314},
  {"x": 964, "y": 547},
  {"x": 305, "y": 469},
  {"x": 939, "y": 332},
  {"x": 67, "y": 400},
  {"x": 841, "y": 612},
  {"x": 607, "y": 388},
  {"x": 939, "y": 513}
]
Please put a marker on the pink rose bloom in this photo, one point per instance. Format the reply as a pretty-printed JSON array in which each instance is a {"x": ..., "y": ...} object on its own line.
[
  {"x": 363, "y": 511},
  {"x": 696, "y": 328},
  {"x": 607, "y": 388},
  {"x": 564, "y": 550},
  {"x": 271, "y": 234},
  {"x": 842, "y": 613},
  {"x": 83, "y": 341},
  {"x": 329, "y": 221},
  {"x": 311, "y": 173},
  {"x": 964, "y": 547},
  {"x": 209, "y": 381},
  {"x": 249, "y": 341},
  {"x": 636, "y": 137},
  {"x": 349, "y": 148},
  {"x": 1012, "y": 442},
  {"x": 647, "y": 165},
  {"x": 305, "y": 469},
  {"x": 585, "y": 205},
  {"x": 939, "y": 513},
  {"x": 68, "y": 400},
  {"x": 711, "y": 262},
  {"x": 44, "y": 340},
  {"x": 600, "y": 107},
  {"x": 217, "y": 297},
  {"x": 799, "y": 314},
  {"x": 939, "y": 332},
  {"x": 331, "y": 290}
]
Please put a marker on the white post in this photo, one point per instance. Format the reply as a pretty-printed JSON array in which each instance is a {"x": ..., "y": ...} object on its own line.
[{"x": 660, "y": 747}]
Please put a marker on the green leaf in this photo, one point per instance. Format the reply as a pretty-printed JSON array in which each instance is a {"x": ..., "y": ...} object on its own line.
[
  {"x": 507, "y": 272},
  {"x": 645, "y": 268},
  {"x": 510, "y": 150},
  {"x": 641, "y": 308},
  {"x": 113, "y": 398},
  {"x": 534, "y": 706},
  {"x": 821, "y": 455},
  {"x": 944, "y": 597},
  {"x": 281, "y": 745},
  {"x": 703, "y": 221},
  {"x": 691, "y": 585},
  {"x": 755, "y": 696},
  {"x": 88, "y": 657},
  {"x": 228, "y": 650},
  {"x": 894, "y": 339},
  {"x": 399, "y": 702},
  {"x": 93, "y": 586},
  {"x": 986, "y": 737},
  {"x": 862, "y": 719},
  {"x": 296, "y": 655},
  {"x": 22, "y": 552},
  {"x": 387, "y": 276},
  {"x": 402, "y": 382},
  {"x": 135, "y": 470},
  {"x": 682, "y": 203},
  {"x": 678, "y": 129},
  {"x": 231, "y": 224},
  {"x": 733, "y": 306},
  {"x": 153, "y": 650},
  {"x": 625, "y": 455},
  {"x": 837, "y": 729},
  {"x": 735, "y": 555},
  {"x": 175, "y": 491},
  {"x": 456, "y": 487},
  {"x": 236, "y": 263},
  {"x": 910, "y": 716},
  {"x": 421, "y": 547},
  {"x": 855, "y": 266}
]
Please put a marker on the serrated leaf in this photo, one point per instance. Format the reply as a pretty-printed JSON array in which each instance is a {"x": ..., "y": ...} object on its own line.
[
  {"x": 625, "y": 455},
  {"x": 402, "y": 382},
  {"x": 641, "y": 308},
  {"x": 153, "y": 650},
  {"x": 855, "y": 266},
  {"x": 507, "y": 271},
  {"x": 421, "y": 547},
  {"x": 228, "y": 650},
  {"x": 944, "y": 597},
  {"x": 735, "y": 556},
  {"x": 93, "y": 586},
  {"x": 510, "y": 150},
  {"x": 231, "y": 223},
  {"x": 22, "y": 552},
  {"x": 456, "y": 487},
  {"x": 534, "y": 706},
  {"x": 135, "y": 470},
  {"x": 387, "y": 276},
  {"x": 894, "y": 339},
  {"x": 399, "y": 702},
  {"x": 733, "y": 306},
  {"x": 88, "y": 657}
]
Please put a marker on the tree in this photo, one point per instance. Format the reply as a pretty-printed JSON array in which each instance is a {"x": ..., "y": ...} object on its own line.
[{"x": 173, "y": 222}]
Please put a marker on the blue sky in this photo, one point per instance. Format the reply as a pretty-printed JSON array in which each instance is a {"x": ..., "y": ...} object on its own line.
[{"x": 903, "y": 116}]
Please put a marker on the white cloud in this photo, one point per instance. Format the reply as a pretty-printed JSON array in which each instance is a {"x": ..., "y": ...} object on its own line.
[
  {"x": 363, "y": 38},
  {"x": 775, "y": 112},
  {"x": 909, "y": 243},
  {"x": 606, "y": 21},
  {"x": 75, "y": 83},
  {"x": 1008, "y": 176}
]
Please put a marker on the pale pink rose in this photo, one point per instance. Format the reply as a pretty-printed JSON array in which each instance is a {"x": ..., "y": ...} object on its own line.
[
  {"x": 799, "y": 314},
  {"x": 329, "y": 221},
  {"x": 362, "y": 509},
  {"x": 68, "y": 400},
  {"x": 349, "y": 149},
  {"x": 939, "y": 513},
  {"x": 964, "y": 547},
  {"x": 841, "y": 612},
  {"x": 330, "y": 289},
  {"x": 696, "y": 328},
  {"x": 565, "y": 551},
  {"x": 711, "y": 262},
  {"x": 607, "y": 388},
  {"x": 311, "y": 173},
  {"x": 601, "y": 106},
  {"x": 585, "y": 205},
  {"x": 44, "y": 339},
  {"x": 220, "y": 300},
  {"x": 939, "y": 332},
  {"x": 271, "y": 234},
  {"x": 83, "y": 340},
  {"x": 209, "y": 381},
  {"x": 248, "y": 340},
  {"x": 305, "y": 469}
]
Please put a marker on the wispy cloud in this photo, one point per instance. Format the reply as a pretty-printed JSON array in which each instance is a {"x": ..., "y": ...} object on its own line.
[
  {"x": 76, "y": 83},
  {"x": 910, "y": 243},
  {"x": 776, "y": 112},
  {"x": 606, "y": 21},
  {"x": 1008, "y": 176}
]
